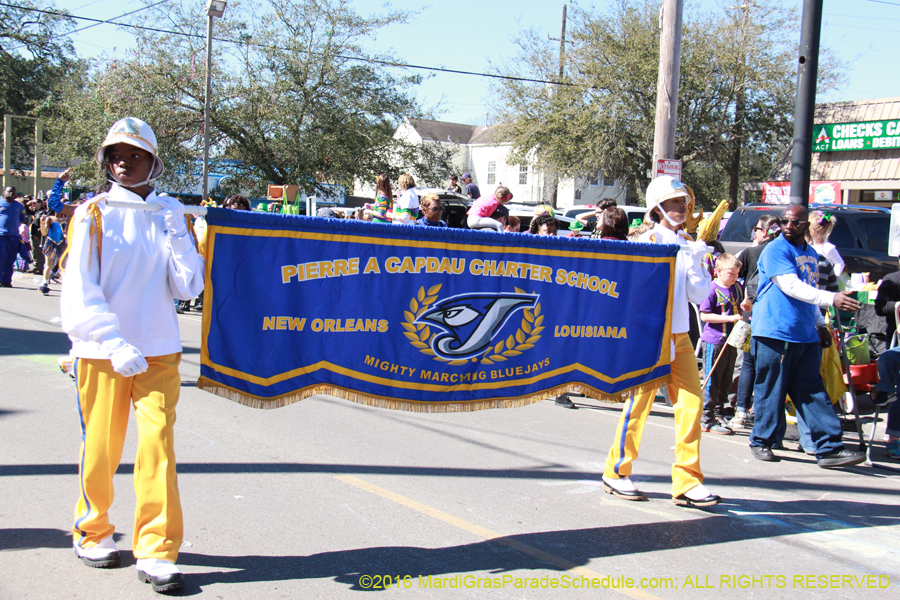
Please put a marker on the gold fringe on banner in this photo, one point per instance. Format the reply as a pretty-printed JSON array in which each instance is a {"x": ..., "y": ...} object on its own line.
[{"x": 252, "y": 401}]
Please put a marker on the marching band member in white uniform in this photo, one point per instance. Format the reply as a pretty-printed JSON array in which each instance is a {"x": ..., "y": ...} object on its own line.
[{"x": 125, "y": 269}]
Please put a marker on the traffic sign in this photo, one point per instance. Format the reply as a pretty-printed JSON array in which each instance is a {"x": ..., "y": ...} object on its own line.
[{"x": 668, "y": 166}]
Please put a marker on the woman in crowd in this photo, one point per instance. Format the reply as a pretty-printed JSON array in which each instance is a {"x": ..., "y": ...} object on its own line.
[
  {"x": 821, "y": 224},
  {"x": 431, "y": 210}
]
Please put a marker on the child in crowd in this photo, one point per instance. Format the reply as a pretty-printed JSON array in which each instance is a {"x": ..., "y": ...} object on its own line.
[
  {"x": 543, "y": 224},
  {"x": 821, "y": 224},
  {"x": 383, "y": 196},
  {"x": 720, "y": 310},
  {"x": 406, "y": 209},
  {"x": 612, "y": 224},
  {"x": 23, "y": 263},
  {"x": 482, "y": 209},
  {"x": 125, "y": 268},
  {"x": 513, "y": 225},
  {"x": 54, "y": 246},
  {"x": 431, "y": 209}
]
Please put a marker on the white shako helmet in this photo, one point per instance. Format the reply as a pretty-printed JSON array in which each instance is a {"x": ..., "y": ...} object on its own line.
[
  {"x": 664, "y": 187},
  {"x": 132, "y": 130}
]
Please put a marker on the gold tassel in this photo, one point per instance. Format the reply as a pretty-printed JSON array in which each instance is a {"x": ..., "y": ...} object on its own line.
[{"x": 252, "y": 401}]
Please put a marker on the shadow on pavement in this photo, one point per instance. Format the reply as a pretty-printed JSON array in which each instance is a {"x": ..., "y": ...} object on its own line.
[
  {"x": 577, "y": 546},
  {"x": 30, "y": 341},
  {"x": 735, "y": 520},
  {"x": 27, "y": 539},
  {"x": 855, "y": 486}
]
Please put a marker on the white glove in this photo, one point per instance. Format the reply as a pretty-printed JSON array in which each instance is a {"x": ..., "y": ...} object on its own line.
[
  {"x": 696, "y": 248},
  {"x": 173, "y": 212},
  {"x": 126, "y": 359}
]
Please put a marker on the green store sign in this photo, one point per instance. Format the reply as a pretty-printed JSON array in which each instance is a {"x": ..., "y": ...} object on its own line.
[{"x": 867, "y": 135}]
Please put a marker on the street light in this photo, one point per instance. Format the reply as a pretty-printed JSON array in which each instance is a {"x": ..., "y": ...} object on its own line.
[{"x": 214, "y": 8}]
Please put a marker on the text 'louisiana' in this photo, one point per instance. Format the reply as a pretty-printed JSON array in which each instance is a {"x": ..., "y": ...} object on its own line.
[{"x": 589, "y": 331}]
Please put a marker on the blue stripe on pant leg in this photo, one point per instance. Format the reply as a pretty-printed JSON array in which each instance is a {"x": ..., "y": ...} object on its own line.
[
  {"x": 625, "y": 423},
  {"x": 83, "y": 451}
]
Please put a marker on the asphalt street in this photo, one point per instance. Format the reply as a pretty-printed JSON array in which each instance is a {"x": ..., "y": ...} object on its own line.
[{"x": 329, "y": 499}]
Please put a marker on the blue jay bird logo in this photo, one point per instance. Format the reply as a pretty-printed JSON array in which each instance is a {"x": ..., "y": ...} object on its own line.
[{"x": 470, "y": 321}]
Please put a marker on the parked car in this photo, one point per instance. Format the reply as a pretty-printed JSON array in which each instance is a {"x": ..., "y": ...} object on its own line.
[
  {"x": 633, "y": 212},
  {"x": 860, "y": 234}
]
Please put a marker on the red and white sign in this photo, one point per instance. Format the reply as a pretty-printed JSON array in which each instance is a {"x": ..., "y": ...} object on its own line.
[
  {"x": 668, "y": 166},
  {"x": 820, "y": 192},
  {"x": 884, "y": 195}
]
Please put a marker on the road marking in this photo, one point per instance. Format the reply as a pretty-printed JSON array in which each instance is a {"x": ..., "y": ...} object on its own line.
[{"x": 487, "y": 534}]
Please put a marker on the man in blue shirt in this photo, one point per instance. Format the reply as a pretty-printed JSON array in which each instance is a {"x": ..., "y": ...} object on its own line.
[
  {"x": 789, "y": 333},
  {"x": 10, "y": 217},
  {"x": 472, "y": 190}
]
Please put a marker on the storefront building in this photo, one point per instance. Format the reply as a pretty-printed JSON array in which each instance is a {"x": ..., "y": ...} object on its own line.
[{"x": 855, "y": 156}]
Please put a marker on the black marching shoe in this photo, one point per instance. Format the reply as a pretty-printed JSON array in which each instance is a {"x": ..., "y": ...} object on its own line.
[
  {"x": 882, "y": 399},
  {"x": 697, "y": 497},
  {"x": 565, "y": 402},
  {"x": 622, "y": 488},
  {"x": 763, "y": 453},
  {"x": 841, "y": 458}
]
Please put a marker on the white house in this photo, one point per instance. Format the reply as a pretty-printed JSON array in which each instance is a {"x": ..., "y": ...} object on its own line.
[{"x": 482, "y": 151}]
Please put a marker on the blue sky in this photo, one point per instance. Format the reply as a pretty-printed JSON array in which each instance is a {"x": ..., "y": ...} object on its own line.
[{"x": 472, "y": 35}]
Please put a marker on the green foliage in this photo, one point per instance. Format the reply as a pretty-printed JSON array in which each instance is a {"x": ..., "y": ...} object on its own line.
[
  {"x": 34, "y": 59},
  {"x": 605, "y": 121},
  {"x": 289, "y": 102}
]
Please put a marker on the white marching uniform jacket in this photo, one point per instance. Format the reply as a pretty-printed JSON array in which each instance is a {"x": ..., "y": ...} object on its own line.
[
  {"x": 692, "y": 280},
  {"x": 129, "y": 291}
]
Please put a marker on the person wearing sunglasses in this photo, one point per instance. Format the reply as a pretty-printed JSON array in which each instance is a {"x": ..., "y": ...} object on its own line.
[
  {"x": 789, "y": 333},
  {"x": 431, "y": 211}
]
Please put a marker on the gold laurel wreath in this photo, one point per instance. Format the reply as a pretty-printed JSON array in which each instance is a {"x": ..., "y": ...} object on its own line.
[{"x": 420, "y": 334}]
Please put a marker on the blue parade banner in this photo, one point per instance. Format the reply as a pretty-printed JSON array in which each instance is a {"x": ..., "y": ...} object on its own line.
[{"x": 427, "y": 319}]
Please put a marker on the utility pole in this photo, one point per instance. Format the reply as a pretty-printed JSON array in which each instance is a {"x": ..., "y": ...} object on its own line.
[
  {"x": 7, "y": 150},
  {"x": 667, "y": 84},
  {"x": 737, "y": 138},
  {"x": 553, "y": 176},
  {"x": 562, "y": 45},
  {"x": 805, "y": 105}
]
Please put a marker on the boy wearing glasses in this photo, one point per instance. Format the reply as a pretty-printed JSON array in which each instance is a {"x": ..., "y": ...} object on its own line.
[{"x": 789, "y": 333}]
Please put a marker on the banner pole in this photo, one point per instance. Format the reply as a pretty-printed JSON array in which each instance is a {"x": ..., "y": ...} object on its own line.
[{"x": 199, "y": 211}]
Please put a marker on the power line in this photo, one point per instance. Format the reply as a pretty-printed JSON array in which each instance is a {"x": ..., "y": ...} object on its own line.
[
  {"x": 97, "y": 23},
  {"x": 866, "y": 28},
  {"x": 115, "y": 18},
  {"x": 879, "y": 17},
  {"x": 883, "y": 2},
  {"x": 376, "y": 61}
]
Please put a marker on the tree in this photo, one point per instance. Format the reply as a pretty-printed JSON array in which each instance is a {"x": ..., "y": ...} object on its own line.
[
  {"x": 736, "y": 93},
  {"x": 34, "y": 59},
  {"x": 296, "y": 97}
]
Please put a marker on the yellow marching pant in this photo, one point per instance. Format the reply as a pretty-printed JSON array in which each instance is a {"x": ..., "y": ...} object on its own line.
[
  {"x": 104, "y": 400},
  {"x": 685, "y": 393}
]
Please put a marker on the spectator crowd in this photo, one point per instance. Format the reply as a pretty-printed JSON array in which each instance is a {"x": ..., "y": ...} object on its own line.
[{"x": 766, "y": 309}]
